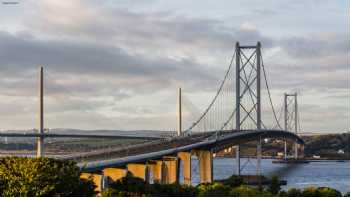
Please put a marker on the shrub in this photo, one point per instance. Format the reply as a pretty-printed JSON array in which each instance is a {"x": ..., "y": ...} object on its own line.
[
  {"x": 311, "y": 192},
  {"x": 294, "y": 192},
  {"x": 329, "y": 192},
  {"x": 234, "y": 181},
  {"x": 215, "y": 189},
  {"x": 245, "y": 191},
  {"x": 131, "y": 184},
  {"x": 275, "y": 185},
  {"x": 173, "y": 190}
]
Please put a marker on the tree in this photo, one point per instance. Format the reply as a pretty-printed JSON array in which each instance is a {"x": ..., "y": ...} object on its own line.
[
  {"x": 215, "y": 189},
  {"x": 234, "y": 181},
  {"x": 275, "y": 185},
  {"x": 294, "y": 192},
  {"x": 329, "y": 192},
  {"x": 42, "y": 177}
]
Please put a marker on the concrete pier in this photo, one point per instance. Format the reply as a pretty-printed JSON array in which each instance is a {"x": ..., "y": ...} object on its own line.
[
  {"x": 96, "y": 178},
  {"x": 205, "y": 159},
  {"x": 185, "y": 161},
  {"x": 139, "y": 170},
  {"x": 114, "y": 174},
  {"x": 156, "y": 169},
  {"x": 170, "y": 170}
]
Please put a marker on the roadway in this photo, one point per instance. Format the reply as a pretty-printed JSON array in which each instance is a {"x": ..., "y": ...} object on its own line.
[{"x": 167, "y": 147}]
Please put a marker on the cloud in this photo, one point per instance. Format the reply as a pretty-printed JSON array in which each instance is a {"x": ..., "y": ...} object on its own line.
[
  {"x": 316, "y": 45},
  {"x": 102, "y": 64},
  {"x": 110, "y": 58},
  {"x": 154, "y": 33}
]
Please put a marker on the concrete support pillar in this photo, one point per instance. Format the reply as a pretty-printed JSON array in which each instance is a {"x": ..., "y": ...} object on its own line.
[
  {"x": 156, "y": 169},
  {"x": 296, "y": 156},
  {"x": 96, "y": 178},
  {"x": 205, "y": 158},
  {"x": 139, "y": 170},
  {"x": 285, "y": 150},
  {"x": 258, "y": 157},
  {"x": 170, "y": 170},
  {"x": 238, "y": 160},
  {"x": 301, "y": 151},
  {"x": 185, "y": 158},
  {"x": 114, "y": 174}
]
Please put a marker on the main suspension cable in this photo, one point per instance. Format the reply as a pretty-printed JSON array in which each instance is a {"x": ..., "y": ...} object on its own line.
[
  {"x": 269, "y": 93},
  {"x": 216, "y": 96}
]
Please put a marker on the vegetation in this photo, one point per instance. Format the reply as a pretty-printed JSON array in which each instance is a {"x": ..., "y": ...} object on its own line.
[
  {"x": 130, "y": 186},
  {"x": 49, "y": 177},
  {"x": 326, "y": 146},
  {"x": 42, "y": 177}
]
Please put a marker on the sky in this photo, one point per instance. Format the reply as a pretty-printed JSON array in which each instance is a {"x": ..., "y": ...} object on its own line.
[{"x": 117, "y": 64}]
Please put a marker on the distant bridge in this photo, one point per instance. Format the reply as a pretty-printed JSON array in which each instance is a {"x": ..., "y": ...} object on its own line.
[{"x": 55, "y": 135}]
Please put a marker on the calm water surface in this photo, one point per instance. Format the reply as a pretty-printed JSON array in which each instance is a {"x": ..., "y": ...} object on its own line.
[{"x": 330, "y": 174}]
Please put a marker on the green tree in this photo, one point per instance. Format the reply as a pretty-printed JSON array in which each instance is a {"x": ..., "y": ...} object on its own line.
[
  {"x": 311, "y": 192},
  {"x": 329, "y": 192},
  {"x": 274, "y": 186},
  {"x": 294, "y": 192},
  {"x": 245, "y": 191},
  {"x": 215, "y": 189},
  {"x": 131, "y": 184},
  {"x": 42, "y": 177},
  {"x": 234, "y": 181},
  {"x": 173, "y": 190}
]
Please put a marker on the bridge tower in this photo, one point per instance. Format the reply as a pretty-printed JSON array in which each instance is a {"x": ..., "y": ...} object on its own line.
[
  {"x": 40, "y": 142},
  {"x": 248, "y": 97},
  {"x": 179, "y": 113},
  {"x": 291, "y": 119}
]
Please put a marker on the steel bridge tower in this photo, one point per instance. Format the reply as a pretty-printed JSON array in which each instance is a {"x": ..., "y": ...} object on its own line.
[
  {"x": 291, "y": 119},
  {"x": 248, "y": 94}
]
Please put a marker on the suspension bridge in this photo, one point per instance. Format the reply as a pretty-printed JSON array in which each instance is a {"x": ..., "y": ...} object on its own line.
[{"x": 233, "y": 117}]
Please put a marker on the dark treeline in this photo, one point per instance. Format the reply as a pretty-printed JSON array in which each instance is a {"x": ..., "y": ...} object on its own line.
[{"x": 130, "y": 186}]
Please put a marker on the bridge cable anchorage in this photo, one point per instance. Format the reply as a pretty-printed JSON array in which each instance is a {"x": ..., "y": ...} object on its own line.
[
  {"x": 215, "y": 97},
  {"x": 269, "y": 94}
]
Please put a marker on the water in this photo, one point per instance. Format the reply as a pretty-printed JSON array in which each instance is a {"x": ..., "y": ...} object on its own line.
[{"x": 319, "y": 174}]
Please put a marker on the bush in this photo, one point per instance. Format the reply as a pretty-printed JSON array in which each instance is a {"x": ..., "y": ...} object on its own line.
[
  {"x": 329, "y": 192},
  {"x": 275, "y": 185},
  {"x": 173, "y": 190},
  {"x": 294, "y": 192},
  {"x": 215, "y": 189},
  {"x": 110, "y": 192},
  {"x": 42, "y": 177},
  {"x": 234, "y": 181},
  {"x": 245, "y": 191},
  {"x": 131, "y": 184}
]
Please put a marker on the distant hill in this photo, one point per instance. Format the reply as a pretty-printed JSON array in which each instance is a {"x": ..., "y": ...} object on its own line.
[{"x": 328, "y": 145}]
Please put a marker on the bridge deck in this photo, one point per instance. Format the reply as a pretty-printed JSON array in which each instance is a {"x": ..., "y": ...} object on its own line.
[
  {"x": 149, "y": 147},
  {"x": 158, "y": 149}
]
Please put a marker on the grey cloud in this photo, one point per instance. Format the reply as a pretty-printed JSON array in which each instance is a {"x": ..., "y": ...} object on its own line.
[
  {"x": 316, "y": 46},
  {"x": 97, "y": 62},
  {"x": 156, "y": 31}
]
